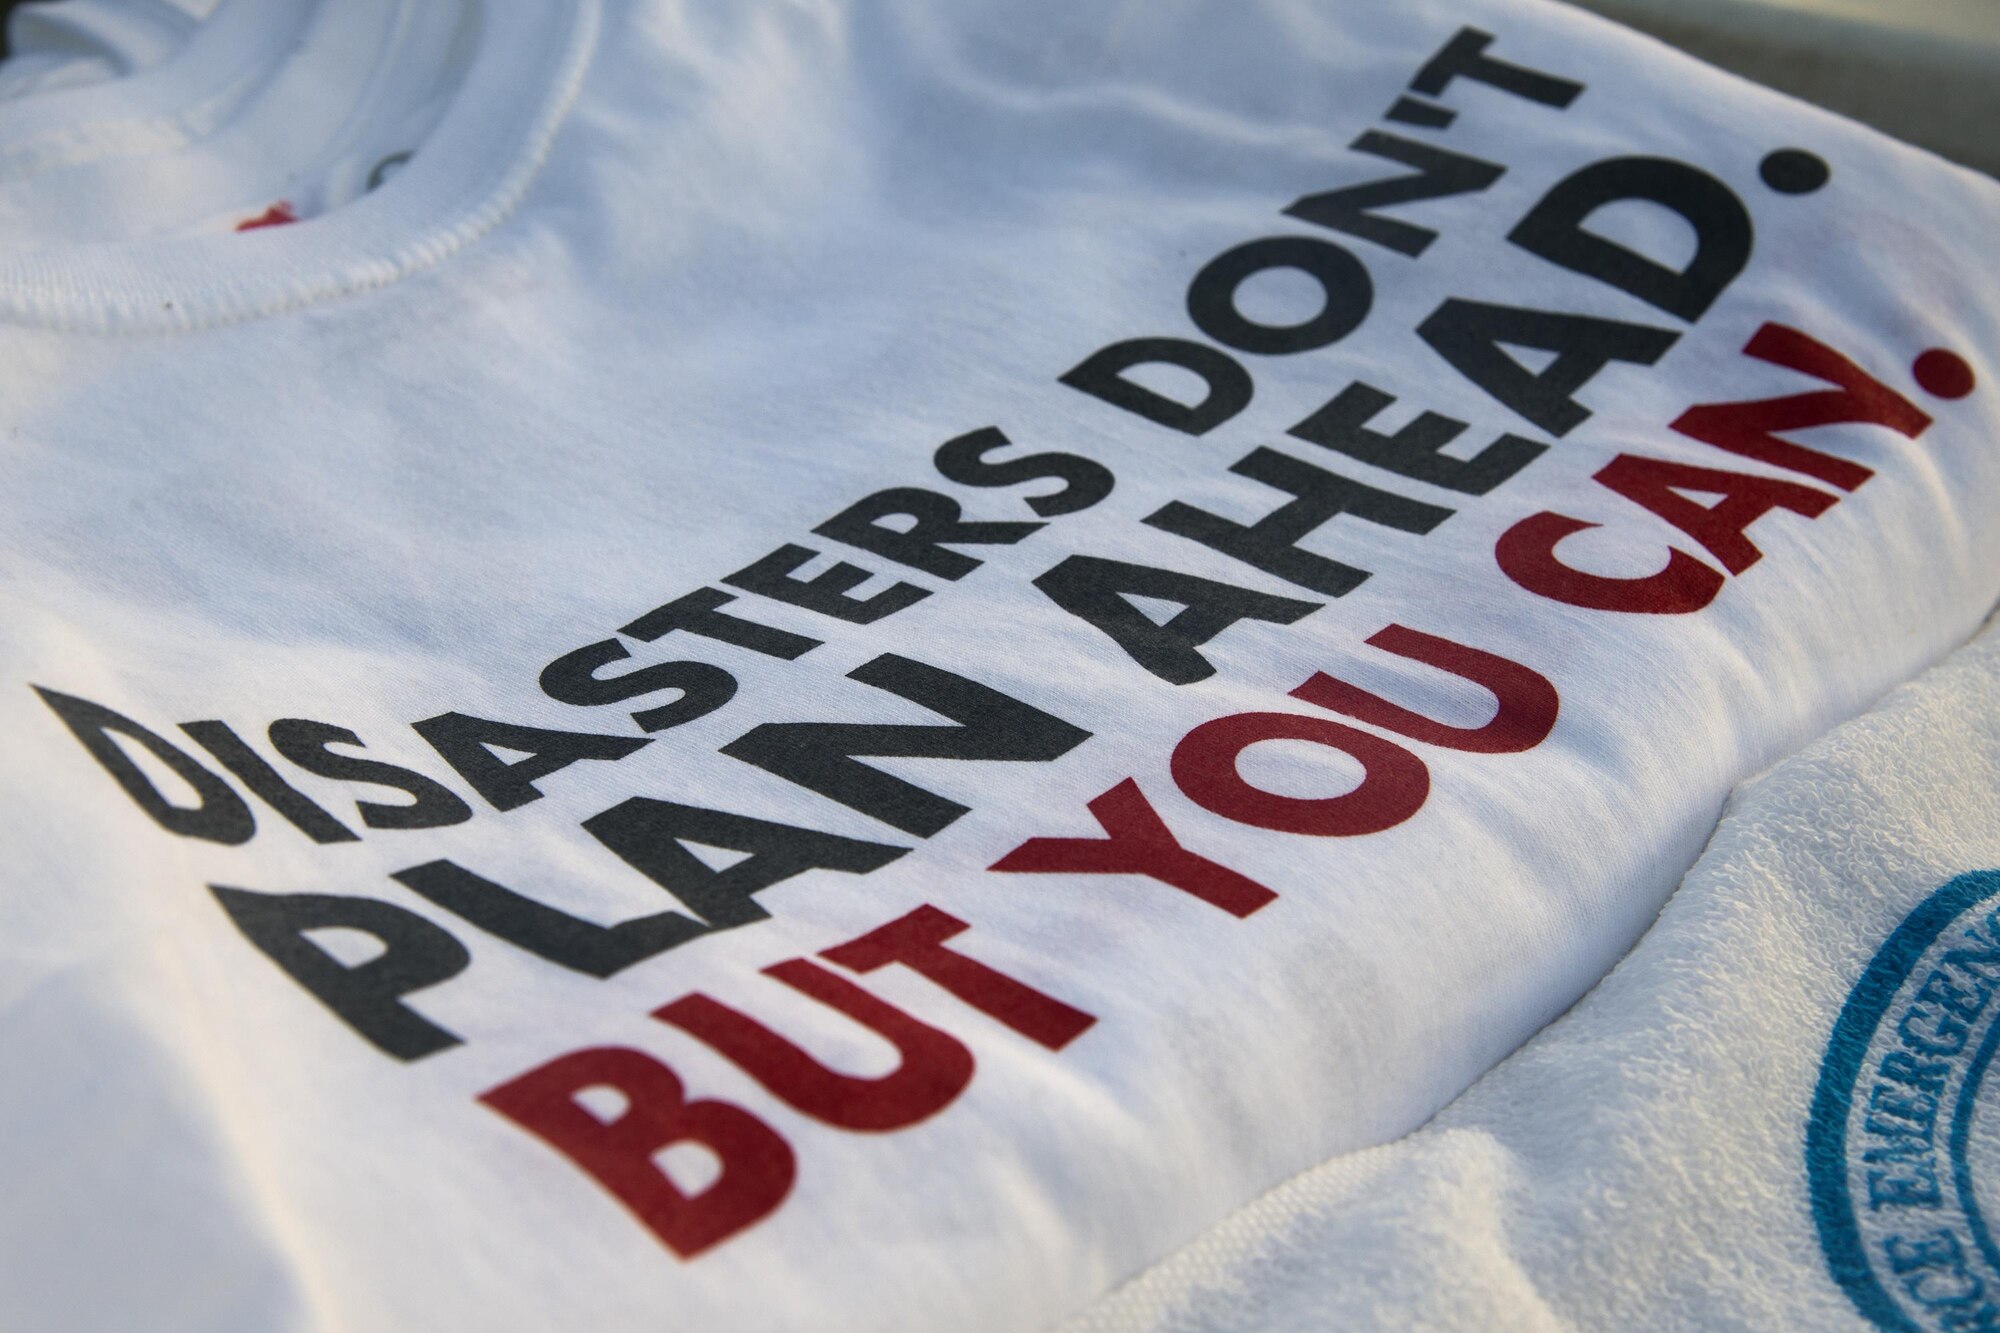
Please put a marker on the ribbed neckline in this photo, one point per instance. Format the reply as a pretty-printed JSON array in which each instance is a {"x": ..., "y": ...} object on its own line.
[{"x": 526, "y": 67}]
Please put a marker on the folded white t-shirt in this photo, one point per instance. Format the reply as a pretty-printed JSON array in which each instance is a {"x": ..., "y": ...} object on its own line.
[{"x": 855, "y": 666}]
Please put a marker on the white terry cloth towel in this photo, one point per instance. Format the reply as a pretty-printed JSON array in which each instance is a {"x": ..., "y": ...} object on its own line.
[{"x": 1769, "y": 1115}]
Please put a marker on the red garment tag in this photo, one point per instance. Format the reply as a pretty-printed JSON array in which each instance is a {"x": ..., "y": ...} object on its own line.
[{"x": 277, "y": 215}]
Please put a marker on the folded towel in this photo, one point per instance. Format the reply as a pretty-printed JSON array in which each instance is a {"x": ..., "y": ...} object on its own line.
[{"x": 1644, "y": 1162}]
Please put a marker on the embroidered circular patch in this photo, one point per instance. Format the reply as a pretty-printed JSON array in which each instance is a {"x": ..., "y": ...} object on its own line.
[{"x": 1903, "y": 1147}]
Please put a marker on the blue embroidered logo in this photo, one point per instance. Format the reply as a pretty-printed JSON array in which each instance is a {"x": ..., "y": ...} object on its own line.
[{"x": 1899, "y": 1147}]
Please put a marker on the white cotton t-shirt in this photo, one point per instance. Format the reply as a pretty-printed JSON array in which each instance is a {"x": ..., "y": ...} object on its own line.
[{"x": 852, "y": 666}]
